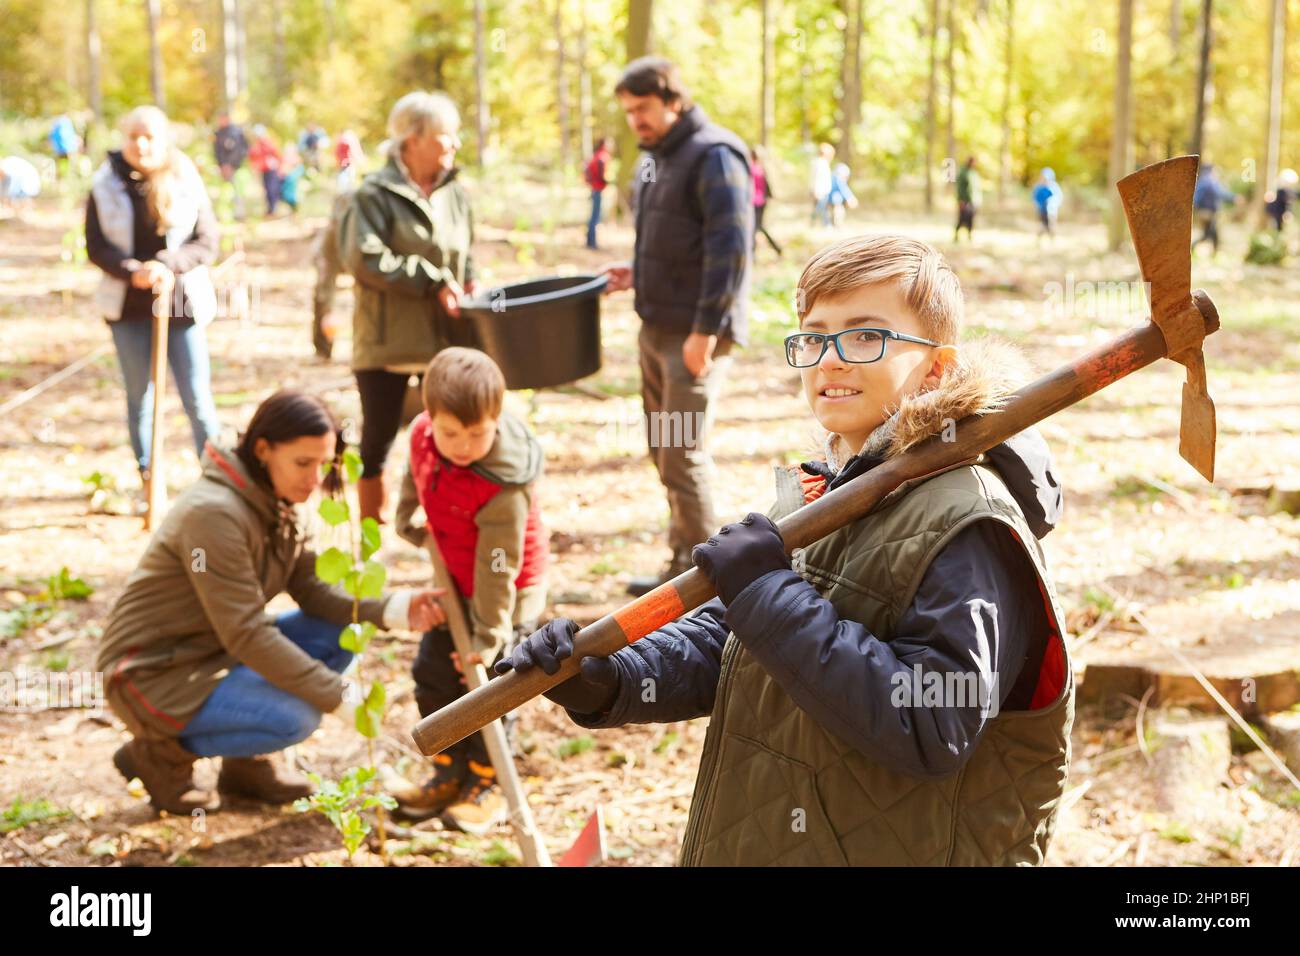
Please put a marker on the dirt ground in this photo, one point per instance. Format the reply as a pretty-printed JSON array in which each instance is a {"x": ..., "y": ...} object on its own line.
[{"x": 1148, "y": 555}]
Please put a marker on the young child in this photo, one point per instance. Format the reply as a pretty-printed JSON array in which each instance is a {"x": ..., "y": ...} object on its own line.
[
  {"x": 291, "y": 173},
  {"x": 902, "y": 694},
  {"x": 473, "y": 470}
]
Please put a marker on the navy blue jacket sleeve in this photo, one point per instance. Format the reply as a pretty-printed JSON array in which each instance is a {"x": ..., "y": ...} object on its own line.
[
  {"x": 725, "y": 192},
  {"x": 670, "y": 674},
  {"x": 976, "y": 614}
]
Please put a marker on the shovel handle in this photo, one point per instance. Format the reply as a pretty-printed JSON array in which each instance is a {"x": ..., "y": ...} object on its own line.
[{"x": 975, "y": 435}]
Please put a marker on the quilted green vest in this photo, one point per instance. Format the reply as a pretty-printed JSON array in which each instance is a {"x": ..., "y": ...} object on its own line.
[{"x": 774, "y": 788}]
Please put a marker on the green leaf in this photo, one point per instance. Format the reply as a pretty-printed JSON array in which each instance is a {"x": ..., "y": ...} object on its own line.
[
  {"x": 377, "y": 698},
  {"x": 333, "y": 510},
  {"x": 355, "y": 637},
  {"x": 370, "y": 715},
  {"x": 63, "y": 586},
  {"x": 373, "y": 577},
  {"x": 332, "y": 565},
  {"x": 352, "y": 583},
  {"x": 352, "y": 465},
  {"x": 364, "y": 720},
  {"x": 370, "y": 540}
]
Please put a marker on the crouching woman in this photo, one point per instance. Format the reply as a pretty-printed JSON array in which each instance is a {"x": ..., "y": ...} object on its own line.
[{"x": 193, "y": 664}]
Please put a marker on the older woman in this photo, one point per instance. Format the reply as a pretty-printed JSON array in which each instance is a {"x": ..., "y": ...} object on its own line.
[
  {"x": 405, "y": 238},
  {"x": 150, "y": 227},
  {"x": 194, "y": 666}
]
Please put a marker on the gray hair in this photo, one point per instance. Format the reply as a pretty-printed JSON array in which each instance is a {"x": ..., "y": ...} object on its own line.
[{"x": 416, "y": 113}]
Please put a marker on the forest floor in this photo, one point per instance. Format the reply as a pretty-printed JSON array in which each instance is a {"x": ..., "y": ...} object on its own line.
[{"x": 1148, "y": 555}]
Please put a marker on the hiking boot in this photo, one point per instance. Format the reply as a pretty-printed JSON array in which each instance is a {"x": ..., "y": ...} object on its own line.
[
  {"x": 481, "y": 805},
  {"x": 647, "y": 583},
  {"x": 167, "y": 771},
  {"x": 422, "y": 801},
  {"x": 267, "y": 778}
]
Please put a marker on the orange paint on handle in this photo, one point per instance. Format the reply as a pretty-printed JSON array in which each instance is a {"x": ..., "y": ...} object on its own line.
[
  {"x": 650, "y": 611},
  {"x": 1099, "y": 370}
]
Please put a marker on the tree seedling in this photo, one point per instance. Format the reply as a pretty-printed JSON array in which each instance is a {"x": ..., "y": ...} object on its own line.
[{"x": 344, "y": 802}]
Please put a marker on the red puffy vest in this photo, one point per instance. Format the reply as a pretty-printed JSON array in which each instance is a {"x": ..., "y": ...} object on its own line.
[{"x": 451, "y": 496}]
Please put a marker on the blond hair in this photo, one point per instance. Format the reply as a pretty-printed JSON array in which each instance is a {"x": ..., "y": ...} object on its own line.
[
  {"x": 161, "y": 185},
  {"x": 465, "y": 383},
  {"x": 420, "y": 111},
  {"x": 928, "y": 283}
]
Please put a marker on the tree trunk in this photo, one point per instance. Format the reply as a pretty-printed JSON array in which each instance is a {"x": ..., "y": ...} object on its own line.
[
  {"x": 230, "y": 52},
  {"x": 850, "y": 82},
  {"x": 640, "y": 41},
  {"x": 561, "y": 87},
  {"x": 481, "y": 118},
  {"x": 1121, "y": 144},
  {"x": 282, "y": 83},
  {"x": 329, "y": 24},
  {"x": 1008, "y": 74},
  {"x": 1276, "y": 70},
  {"x": 94, "y": 90},
  {"x": 584, "y": 88},
  {"x": 930, "y": 98},
  {"x": 767, "y": 94},
  {"x": 153, "y": 13},
  {"x": 952, "y": 85},
  {"x": 1204, "y": 88},
  {"x": 241, "y": 47}
]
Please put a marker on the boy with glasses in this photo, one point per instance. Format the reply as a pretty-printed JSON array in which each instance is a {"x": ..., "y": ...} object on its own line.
[{"x": 901, "y": 694}]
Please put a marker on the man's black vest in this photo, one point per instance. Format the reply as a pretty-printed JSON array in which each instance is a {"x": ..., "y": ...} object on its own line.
[{"x": 668, "y": 263}]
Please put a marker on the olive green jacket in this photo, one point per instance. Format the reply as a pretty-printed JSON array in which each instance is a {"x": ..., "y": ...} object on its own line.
[
  {"x": 195, "y": 606},
  {"x": 776, "y": 788},
  {"x": 401, "y": 247}
]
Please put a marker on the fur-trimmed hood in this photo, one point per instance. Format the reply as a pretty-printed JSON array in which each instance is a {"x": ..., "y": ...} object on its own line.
[
  {"x": 980, "y": 381},
  {"x": 984, "y": 375}
]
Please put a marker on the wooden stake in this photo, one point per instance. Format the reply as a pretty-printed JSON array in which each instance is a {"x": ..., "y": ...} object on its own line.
[
  {"x": 156, "y": 484},
  {"x": 530, "y": 841}
]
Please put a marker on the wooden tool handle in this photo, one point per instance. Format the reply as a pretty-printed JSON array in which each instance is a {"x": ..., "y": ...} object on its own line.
[{"x": 975, "y": 435}]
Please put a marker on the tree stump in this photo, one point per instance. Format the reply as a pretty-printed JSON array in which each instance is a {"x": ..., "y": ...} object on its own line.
[
  {"x": 1283, "y": 731},
  {"x": 1284, "y": 498},
  {"x": 1190, "y": 758}
]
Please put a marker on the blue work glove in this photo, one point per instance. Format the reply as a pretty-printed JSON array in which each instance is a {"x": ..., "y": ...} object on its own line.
[
  {"x": 740, "y": 554},
  {"x": 593, "y": 691}
]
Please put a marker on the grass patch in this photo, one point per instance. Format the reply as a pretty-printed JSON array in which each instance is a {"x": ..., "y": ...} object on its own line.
[
  {"x": 604, "y": 566},
  {"x": 573, "y": 746},
  {"x": 21, "y": 813}
]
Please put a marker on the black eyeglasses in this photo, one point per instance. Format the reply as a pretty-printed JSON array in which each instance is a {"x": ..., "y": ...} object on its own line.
[{"x": 860, "y": 346}]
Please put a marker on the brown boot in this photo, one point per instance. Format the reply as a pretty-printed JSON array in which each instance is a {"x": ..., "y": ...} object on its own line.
[
  {"x": 167, "y": 771},
  {"x": 481, "y": 805},
  {"x": 441, "y": 790},
  {"x": 267, "y": 778},
  {"x": 370, "y": 494}
]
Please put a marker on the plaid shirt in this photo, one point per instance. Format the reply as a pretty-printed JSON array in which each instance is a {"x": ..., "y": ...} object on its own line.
[{"x": 725, "y": 194}]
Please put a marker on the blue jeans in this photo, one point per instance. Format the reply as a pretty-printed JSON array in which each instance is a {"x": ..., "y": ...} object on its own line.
[
  {"x": 187, "y": 354},
  {"x": 271, "y": 186},
  {"x": 247, "y": 715},
  {"x": 594, "y": 220}
]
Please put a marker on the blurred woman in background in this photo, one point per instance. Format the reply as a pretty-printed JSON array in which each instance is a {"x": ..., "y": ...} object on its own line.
[{"x": 151, "y": 231}]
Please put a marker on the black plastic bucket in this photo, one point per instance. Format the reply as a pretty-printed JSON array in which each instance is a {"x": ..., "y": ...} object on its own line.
[{"x": 543, "y": 332}]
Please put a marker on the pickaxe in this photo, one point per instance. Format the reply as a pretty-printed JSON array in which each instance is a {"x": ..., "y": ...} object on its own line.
[{"x": 1158, "y": 205}]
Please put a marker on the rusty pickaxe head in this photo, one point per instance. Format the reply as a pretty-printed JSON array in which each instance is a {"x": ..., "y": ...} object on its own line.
[{"x": 1158, "y": 205}]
